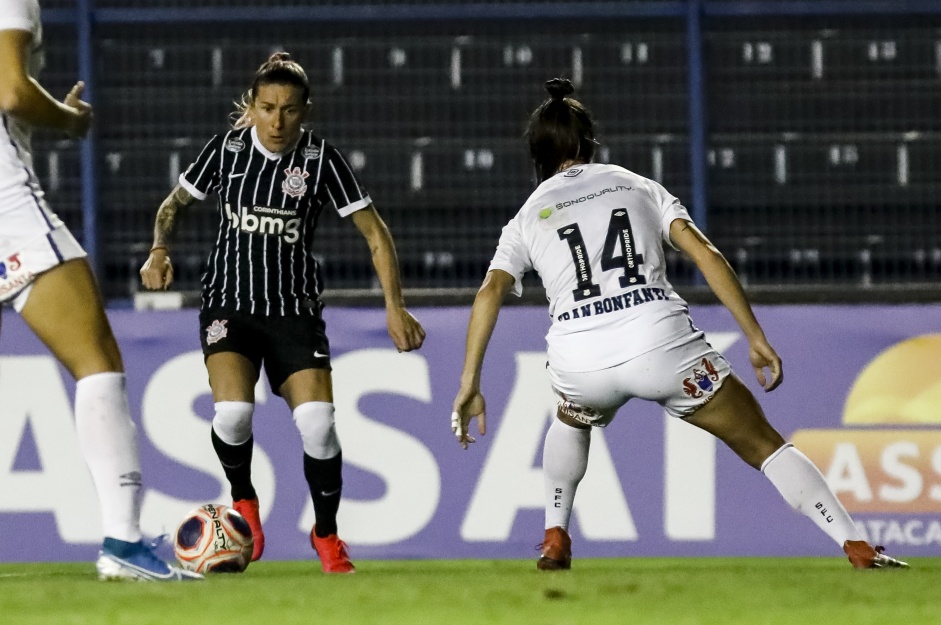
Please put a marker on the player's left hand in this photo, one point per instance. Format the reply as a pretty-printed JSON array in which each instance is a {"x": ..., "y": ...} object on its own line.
[
  {"x": 82, "y": 118},
  {"x": 468, "y": 404},
  {"x": 406, "y": 332}
]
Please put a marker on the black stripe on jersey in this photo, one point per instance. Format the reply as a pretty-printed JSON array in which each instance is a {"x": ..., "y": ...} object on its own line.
[{"x": 265, "y": 256}]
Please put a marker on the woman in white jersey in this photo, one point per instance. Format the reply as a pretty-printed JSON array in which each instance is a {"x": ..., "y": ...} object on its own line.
[
  {"x": 45, "y": 277},
  {"x": 595, "y": 234}
]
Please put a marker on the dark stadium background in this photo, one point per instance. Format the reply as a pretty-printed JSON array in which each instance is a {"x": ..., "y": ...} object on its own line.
[{"x": 805, "y": 137}]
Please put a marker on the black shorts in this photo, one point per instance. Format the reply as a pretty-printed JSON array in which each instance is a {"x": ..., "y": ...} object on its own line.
[{"x": 285, "y": 345}]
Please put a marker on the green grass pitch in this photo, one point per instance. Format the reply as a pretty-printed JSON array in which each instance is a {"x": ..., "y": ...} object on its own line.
[{"x": 675, "y": 591}]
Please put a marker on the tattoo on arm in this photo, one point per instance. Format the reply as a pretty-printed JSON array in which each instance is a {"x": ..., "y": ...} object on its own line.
[{"x": 176, "y": 203}]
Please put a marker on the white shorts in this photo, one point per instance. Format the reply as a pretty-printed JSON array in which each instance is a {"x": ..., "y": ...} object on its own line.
[
  {"x": 680, "y": 376},
  {"x": 20, "y": 268}
]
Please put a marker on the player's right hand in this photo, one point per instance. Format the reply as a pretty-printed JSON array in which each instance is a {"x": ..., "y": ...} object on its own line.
[
  {"x": 763, "y": 356},
  {"x": 468, "y": 404},
  {"x": 157, "y": 272},
  {"x": 82, "y": 120}
]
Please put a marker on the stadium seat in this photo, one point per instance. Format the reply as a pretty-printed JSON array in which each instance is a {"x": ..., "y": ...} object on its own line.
[
  {"x": 883, "y": 55},
  {"x": 154, "y": 63},
  {"x": 159, "y": 113},
  {"x": 835, "y": 107}
]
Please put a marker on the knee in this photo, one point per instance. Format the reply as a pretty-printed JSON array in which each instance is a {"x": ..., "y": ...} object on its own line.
[
  {"x": 99, "y": 354},
  {"x": 233, "y": 421},
  {"x": 315, "y": 422}
]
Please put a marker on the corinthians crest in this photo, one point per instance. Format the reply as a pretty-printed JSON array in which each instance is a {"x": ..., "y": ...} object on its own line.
[
  {"x": 216, "y": 331},
  {"x": 294, "y": 184}
]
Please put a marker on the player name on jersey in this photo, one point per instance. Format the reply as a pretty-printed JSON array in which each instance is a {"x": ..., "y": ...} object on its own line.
[{"x": 622, "y": 301}]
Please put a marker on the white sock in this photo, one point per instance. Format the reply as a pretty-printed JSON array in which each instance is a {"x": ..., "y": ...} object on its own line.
[
  {"x": 314, "y": 420},
  {"x": 108, "y": 440},
  {"x": 803, "y": 486},
  {"x": 564, "y": 461},
  {"x": 232, "y": 422}
]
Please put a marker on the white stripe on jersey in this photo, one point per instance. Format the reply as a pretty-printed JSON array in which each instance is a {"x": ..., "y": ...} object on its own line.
[
  {"x": 340, "y": 183},
  {"x": 298, "y": 245},
  {"x": 353, "y": 177},
  {"x": 323, "y": 155},
  {"x": 265, "y": 258},
  {"x": 223, "y": 199},
  {"x": 205, "y": 165},
  {"x": 238, "y": 239},
  {"x": 251, "y": 241}
]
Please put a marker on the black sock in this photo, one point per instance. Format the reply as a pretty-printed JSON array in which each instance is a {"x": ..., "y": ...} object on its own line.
[
  {"x": 325, "y": 479},
  {"x": 237, "y": 463}
]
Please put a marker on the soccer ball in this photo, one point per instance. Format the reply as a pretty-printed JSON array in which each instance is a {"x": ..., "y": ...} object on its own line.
[{"x": 213, "y": 539}]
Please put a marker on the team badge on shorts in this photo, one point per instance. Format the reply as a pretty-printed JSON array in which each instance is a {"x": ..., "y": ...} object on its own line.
[
  {"x": 13, "y": 276},
  {"x": 294, "y": 184},
  {"x": 701, "y": 381},
  {"x": 216, "y": 331}
]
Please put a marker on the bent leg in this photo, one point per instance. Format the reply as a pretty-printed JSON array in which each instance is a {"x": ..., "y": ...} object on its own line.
[
  {"x": 232, "y": 378},
  {"x": 803, "y": 486},
  {"x": 735, "y": 417}
]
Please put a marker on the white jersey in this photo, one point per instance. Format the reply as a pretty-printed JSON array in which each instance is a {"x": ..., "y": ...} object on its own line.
[
  {"x": 32, "y": 239},
  {"x": 19, "y": 188},
  {"x": 595, "y": 235}
]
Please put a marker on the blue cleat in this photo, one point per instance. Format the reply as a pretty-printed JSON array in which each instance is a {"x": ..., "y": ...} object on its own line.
[{"x": 120, "y": 560}]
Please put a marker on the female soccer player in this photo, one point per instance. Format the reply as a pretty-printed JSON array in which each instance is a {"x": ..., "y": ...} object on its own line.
[
  {"x": 44, "y": 275},
  {"x": 261, "y": 288},
  {"x": 620, "y": 331}
]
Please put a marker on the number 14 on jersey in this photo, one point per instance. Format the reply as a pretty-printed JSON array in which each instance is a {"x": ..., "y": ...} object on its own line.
[{"x": 619, "y": 237}]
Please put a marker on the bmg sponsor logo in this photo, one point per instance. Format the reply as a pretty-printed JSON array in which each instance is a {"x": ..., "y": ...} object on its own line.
[
  {"x": 266, "y": 220},
  {"x": 885, "y": 463}
]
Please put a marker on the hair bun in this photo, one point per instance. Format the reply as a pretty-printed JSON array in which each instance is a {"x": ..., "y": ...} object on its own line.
[
  {"x": 279, "y": 56},
  {"x": 558, "y": 88}
]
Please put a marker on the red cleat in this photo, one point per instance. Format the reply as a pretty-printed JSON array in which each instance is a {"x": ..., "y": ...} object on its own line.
[
  {"x": 556, "y": 551},
  {"x": 334, "y": 557},
  {"x": 248, "y": 508},
  {"x": 863, "y": 556}
]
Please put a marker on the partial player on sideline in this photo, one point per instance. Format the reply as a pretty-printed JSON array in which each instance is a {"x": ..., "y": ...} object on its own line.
[
  {"x": 262, "y": 284},
  {"x": 44, "y": 275},
  {"x": 619, "y": 330}
]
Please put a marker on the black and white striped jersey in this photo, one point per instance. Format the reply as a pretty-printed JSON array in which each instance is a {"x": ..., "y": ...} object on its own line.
[{"x": 262, "y": 261}]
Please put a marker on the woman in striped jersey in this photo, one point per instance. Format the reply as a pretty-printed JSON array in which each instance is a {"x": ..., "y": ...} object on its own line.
[{"x": 261, "y": 287}]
